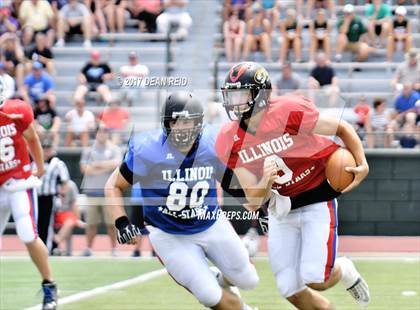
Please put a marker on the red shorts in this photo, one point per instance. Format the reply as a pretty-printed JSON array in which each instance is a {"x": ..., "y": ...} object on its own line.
[{"x": 62, "y": 217}]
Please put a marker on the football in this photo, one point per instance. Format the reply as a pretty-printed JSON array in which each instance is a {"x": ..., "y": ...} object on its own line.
[{"x": 335, "y": 171}]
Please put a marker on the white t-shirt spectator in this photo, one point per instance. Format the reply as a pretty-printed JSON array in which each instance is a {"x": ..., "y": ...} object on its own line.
[
  {"x": 69, "y": 11},
  {"x": 80, "y": 123},
  {"x": 136, "y": 71}
]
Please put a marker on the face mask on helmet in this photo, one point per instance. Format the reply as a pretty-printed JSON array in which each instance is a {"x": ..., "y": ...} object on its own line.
[
  {"x": 2, "y": 91},
  {"x": 183, "y": 129},
  {"x": 241, "y": 103}
]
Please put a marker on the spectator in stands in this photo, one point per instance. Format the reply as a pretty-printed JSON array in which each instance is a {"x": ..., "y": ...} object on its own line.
[
  {"x": 38, "y": 84},
  {"x": 97, "y": 163},
  {"x": 407, "y": 100},
  {"x": 271, "y": 11},
  {"x": 323, "y": 4},
  {"x": 8, "y": 24},
  {"x": 291, "y": 32},
  {"x": 323, "y": 77},
  {"x": 258, "y": 31},
  {"x": 174, "y": 14},
  {"x": 134, "y": 71},
  {"x": 288, "y": 81},
  {"x": 115, "y": 119},
  {"x": 114, "y": 14},
  {"x": 146, "y": 12},
  {"x": 400, "y": 33},
  {"x": 47, "y": 121},
  {"x": 379, "y": 24},
  {"x": 67, "y": 216},
  {"x": 79, "y": 123},
  {"x": 36, "y": 16},
  {"x": 97, "y": 16},
  {"x": 74, "y": 18},
  {"x": 240, "y": 7},
  {"x": 320, "y": 30},
  {"x": 10, "y": 87},
  {"x": 362, "y": 109},
  {"x": 350, "y": 31},
  {"x": 234, "y": 34},
  {"x": 408, "y": 71},
  {"x": 378, "y": 131},
  {"x": 13, "y": 57},
  {"x": 93, "y": 77},
  {"x": 41, "y": 53}
]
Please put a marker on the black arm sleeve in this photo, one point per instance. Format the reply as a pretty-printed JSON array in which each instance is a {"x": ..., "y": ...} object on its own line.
[{"x": 127, "y": 174}]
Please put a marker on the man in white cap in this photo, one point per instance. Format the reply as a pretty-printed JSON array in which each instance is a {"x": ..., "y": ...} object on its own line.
[{"x": 350, "y": 31}]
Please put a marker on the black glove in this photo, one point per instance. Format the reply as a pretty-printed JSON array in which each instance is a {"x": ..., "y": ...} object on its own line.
[{"x": 125, "y": 230}]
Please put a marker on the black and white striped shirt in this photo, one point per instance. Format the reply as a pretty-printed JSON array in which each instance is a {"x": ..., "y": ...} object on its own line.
[{"x": 56, "y": 173}]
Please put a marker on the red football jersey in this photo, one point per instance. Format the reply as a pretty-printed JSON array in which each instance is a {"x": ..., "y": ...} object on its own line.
[
  {"x": 285, "y": 133},
  {"x": 15, "y": 117}
]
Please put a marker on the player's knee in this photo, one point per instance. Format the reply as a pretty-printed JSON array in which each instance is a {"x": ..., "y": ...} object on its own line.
[
  {"x": 311, "y": 274},
  {"x": 25, "y": 229},
  {"x": 247, "y": 278},
  {"x": 209, "y": 296},
  {"x": 287, "y": 283}
]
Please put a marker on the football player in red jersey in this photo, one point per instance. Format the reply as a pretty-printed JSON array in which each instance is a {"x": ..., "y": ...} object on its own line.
[
  {"x": 278, "y": 148},
  {"x": 17, "y": 185}
]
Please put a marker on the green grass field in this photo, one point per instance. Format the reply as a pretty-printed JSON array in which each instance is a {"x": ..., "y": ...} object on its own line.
[{"x": 389, "y": 280}]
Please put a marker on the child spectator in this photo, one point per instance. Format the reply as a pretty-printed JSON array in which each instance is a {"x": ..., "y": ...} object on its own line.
[
  {"x": 291, "y": 31},
  {"x": 234, "y": 33},
  {"x": 362, "y": 109},
  {"x": 400, "y": 33}
]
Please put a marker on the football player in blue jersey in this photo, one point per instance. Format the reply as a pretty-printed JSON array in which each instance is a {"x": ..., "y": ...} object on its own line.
[{"x": 177, "y": 169}]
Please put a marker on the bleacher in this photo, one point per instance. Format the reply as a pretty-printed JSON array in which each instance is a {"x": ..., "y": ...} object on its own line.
[{"x": 372, "y": 78}]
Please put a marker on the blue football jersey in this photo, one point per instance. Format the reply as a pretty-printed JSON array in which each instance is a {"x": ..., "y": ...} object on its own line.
[{"x": 178, "y": 191}]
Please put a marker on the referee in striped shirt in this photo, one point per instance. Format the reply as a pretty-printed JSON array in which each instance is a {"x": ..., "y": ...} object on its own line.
[{"x": 56, "y": 174}]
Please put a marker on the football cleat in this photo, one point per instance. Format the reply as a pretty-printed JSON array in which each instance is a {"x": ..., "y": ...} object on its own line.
[
  {"x": 50, "y": 296},
  {"x": 353, "y": 281}
]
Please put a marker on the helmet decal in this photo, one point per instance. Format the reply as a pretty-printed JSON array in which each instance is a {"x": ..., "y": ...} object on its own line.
[
  {"x": 237, "y": 71},
  {"x": 261, "y": 75}
]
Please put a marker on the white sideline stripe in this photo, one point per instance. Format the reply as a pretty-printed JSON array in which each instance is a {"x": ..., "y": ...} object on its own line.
[{"x": 104, "y": 289}]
